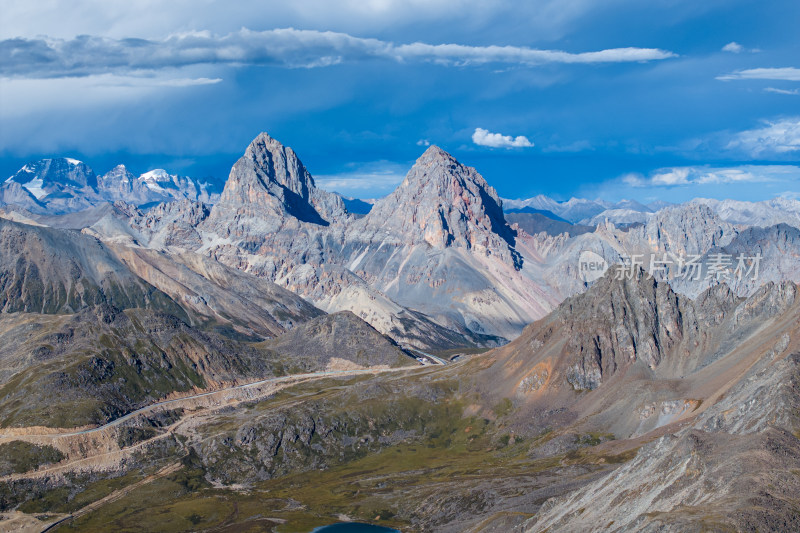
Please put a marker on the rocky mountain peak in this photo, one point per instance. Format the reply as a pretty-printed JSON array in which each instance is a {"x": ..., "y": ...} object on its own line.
[
  {"x": 115, "y": 177},
  {"x": 58, "y": 185},
  {"x": 434, "y": 152},
  {"x": 619, "y": 285},
  {"x": 13, "y": 193},
  {"x": 444, "y": 203},
  {"x": 44, "y": 176},
  {"x": 624, "y": 317},
  {"x": 685, "y": 229},
  {"x": 279, "y": 163},
  {"x": 270, "y": 177},
  {"x": 439, "y": 172}
]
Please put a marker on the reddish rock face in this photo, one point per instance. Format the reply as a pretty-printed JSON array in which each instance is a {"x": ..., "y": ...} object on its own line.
[{"x": 444, "y": 203}]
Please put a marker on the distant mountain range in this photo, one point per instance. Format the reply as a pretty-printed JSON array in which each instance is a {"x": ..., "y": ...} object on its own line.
[
  {"x": 64, "y": 185},
  {"x": 627, "y": 212}
]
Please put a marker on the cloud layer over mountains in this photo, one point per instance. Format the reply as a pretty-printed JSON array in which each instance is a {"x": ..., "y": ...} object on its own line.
[{"x": 285, "y": 47}]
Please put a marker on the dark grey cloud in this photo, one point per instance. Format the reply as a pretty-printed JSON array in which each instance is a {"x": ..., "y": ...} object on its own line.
[{"x": 87, "y": 55}]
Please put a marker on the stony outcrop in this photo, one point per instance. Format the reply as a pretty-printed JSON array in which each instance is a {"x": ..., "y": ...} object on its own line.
[
  {"x": 273, "y": 222},
  {"x": 727, "y": 470}
]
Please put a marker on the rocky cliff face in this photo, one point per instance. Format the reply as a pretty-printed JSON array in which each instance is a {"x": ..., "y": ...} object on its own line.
[
  {"x": 627, "y": 328},
  {"x": 767, "y": 255},
  {"x": 270, "y": 181},
  {"x": 118, "y": 183},
  {"x": 15, "y": 194},
  {"x": 617, "y": 323},
  {"x": 686, "y": 229},
  {"x": 723, "y": 467},
  {"x": 442, "y": 203}
]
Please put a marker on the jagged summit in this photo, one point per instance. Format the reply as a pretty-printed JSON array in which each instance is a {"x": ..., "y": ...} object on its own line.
[
  {"x": 270, "y": 176},
  {"x": 154, "y": 186},
  {"x": 281, "y": 164},
  {"x": 117, "y": 179},
  {"x": 57, "y": 185},
  {"x": 434, "y": 151},
  {"x": 685, "y": 229},
  {"x": 47, "y": 176},
  {"x": 624, "y": 317},
  {"x": 443, "y": 203},
  {"x": 435, "y": 164}
]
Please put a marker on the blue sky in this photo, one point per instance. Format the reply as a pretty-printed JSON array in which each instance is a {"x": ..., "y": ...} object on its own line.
[{"x": 666, "y": 99}]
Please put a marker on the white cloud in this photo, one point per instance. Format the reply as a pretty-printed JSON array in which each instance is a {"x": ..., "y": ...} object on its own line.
[
  {"x": 729, "y": 175},
  {"x": 785, "y": 73},
  {"x": 423, "y": 142},
  {"x": 705, "y": 175},
  {"x": 289, "y": 48},
  {"x": 780, "y": 137},
  {"x": 634, "y": 179},
  {"x": 733, "y": 47},
  {"x": 456, "y": 54},
  {"x": 189, "y": 82},
  {"x": 671, "y": 177},
  {"x": 782, "y": 91},
  {"x": 483, "y": 137}
]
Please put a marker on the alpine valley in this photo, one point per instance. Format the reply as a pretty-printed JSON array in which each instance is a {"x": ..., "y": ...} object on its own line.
[{"x": 176, "y": 356}]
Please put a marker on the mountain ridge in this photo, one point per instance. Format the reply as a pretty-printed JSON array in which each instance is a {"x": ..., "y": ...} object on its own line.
[
  {"x": 436, "y": 254},
  {"x": 65, "y": 185}
]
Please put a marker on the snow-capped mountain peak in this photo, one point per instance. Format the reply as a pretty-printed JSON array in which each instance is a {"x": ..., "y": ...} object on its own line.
[
  {"x": 158, "y": 174},
  {"x": 156, "y": 178}
]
